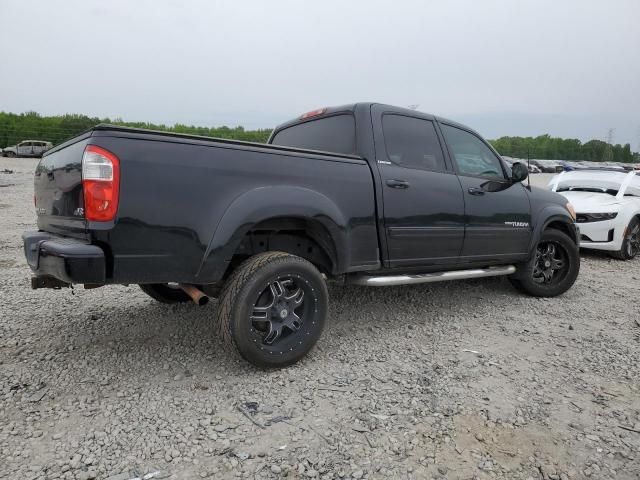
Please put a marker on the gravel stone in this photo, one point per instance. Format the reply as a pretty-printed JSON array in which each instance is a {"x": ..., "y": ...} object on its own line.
[{"x": 107, "y": 383}]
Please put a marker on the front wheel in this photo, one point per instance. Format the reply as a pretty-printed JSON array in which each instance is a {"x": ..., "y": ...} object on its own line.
[
  {"x": 552, "y": 270},
  {"x": 630, "y": 242},
  {"x": 273, "y": 309},
  {"x": 10, "y": 154}
]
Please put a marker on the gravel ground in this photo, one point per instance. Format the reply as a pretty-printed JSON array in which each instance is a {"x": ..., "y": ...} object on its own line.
[{"x": 457, "y": 380}]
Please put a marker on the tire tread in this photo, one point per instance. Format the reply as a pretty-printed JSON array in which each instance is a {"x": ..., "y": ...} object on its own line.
[
  {"x": 622, "y": 253},
  {"x": 522, "y": 282},
  {"x": 232, "y": 288}
]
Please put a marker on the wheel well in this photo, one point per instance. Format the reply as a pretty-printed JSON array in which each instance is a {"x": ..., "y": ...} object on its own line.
[
  {"x": 564, "y": 227},
  {"x": 305, "y": 238}
]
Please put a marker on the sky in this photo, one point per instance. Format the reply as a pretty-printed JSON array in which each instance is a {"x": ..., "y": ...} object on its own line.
[{"x": 568, "y": 68}]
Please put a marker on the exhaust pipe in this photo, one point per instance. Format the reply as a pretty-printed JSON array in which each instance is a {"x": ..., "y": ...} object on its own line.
[{"x": 197, "y": 295}]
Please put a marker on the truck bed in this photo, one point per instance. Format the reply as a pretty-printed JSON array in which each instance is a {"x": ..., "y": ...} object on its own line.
[{"x": 186, "y": 202}]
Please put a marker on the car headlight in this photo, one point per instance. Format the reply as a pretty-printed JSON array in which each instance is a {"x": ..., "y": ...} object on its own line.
[
  {"x": 595, "y": 217},
  {"x": 571, "y": 210}
]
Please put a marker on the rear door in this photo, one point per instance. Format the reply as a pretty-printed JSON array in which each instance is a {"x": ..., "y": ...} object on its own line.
[
  {"x": 422, "y": 197},
  {"x": 497, "y": 211},
  {"x": 24, "y": 149}
]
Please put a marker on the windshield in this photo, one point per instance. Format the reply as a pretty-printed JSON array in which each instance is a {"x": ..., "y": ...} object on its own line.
[{"x": 608, "y": 182}]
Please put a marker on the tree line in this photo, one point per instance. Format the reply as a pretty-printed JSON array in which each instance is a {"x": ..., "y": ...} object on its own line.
[
  {"x": 15, "y": 127},
  {"x": 553, "y": 148}
]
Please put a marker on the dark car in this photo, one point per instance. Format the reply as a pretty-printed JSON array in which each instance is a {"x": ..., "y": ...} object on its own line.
[{"x": 372, "y": 194}]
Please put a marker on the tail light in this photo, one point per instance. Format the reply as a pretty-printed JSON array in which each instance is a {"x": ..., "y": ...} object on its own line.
[{"x": 100, "y": 183}]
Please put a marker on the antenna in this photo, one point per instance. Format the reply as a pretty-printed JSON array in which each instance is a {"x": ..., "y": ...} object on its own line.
[
  {"x": 528, "y": 170},
  {"x": 413, "y": 107}
]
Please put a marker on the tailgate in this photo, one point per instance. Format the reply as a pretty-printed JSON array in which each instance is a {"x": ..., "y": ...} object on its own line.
[{"x": 58, "y": 190}]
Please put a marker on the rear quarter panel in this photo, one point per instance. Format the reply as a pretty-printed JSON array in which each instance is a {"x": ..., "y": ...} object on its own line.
[{"x": 174, "y": 193}]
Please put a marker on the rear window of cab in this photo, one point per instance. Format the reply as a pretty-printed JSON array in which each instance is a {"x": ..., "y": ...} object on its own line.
[{"x": 335, "y": 133}]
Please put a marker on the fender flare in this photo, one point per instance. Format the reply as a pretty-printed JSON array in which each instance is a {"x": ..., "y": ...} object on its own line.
[
  {"x": 552, "y": 213},
  {"x": 269, "y": 202}
]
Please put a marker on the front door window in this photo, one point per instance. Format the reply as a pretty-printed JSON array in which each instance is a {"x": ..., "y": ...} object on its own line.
[{"x": 471, "y": 155}]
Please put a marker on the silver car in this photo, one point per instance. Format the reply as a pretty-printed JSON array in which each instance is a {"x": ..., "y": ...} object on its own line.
[{"x": 27, "y": 148}]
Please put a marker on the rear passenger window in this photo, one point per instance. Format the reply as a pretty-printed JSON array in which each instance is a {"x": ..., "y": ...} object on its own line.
[
  {"x": 412, "y": 142},
  {"x": 329, "y": 134}
]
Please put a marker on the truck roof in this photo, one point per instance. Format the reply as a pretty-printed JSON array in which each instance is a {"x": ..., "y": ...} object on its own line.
[{"x": 351, "y": 107}]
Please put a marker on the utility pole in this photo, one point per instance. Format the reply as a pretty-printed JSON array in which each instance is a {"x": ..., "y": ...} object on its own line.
[
  {"x": 607, "y": 155},
  {"x": 610, "y": 135}
]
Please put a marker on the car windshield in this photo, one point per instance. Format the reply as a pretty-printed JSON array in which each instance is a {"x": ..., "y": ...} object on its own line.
[{"x": 588, "y": 189}]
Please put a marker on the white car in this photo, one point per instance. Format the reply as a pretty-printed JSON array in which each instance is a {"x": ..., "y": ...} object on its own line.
[
  {"x": 27, "y": 148},
  {"x": 607, "y": 205}
]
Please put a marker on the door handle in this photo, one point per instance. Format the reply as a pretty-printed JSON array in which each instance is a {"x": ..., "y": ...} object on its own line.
[
  {"x": 394, "y": 183},
  {"x": 476, "y": 191}
]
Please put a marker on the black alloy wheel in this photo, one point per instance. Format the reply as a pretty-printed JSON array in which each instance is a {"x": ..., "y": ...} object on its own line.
[
  {"x": 552, "y": 268},
  {"x": 273, "y": 309},
  {"x": 550, "y": 264},
  {"x": 279, "y": 310}
]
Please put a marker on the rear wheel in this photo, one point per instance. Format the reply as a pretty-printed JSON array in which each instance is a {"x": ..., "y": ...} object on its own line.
[
  {"x": 273, "y": 309},
  {"x": 631, "y": 241},
  {"x": 165, "y": 292},
  {"x": 552, "y": 270}
]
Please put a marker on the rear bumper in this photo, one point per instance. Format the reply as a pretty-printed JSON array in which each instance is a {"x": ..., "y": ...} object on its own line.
[{"x": 66, "y": 259}]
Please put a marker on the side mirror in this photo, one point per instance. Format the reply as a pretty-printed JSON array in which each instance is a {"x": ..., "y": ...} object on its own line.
[{"x": 519, "y": 172}]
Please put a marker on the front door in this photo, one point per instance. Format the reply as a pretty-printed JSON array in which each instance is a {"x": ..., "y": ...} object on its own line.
[
  {"x": 422, "y": 197},
  {"x": 497, "y": 211}
]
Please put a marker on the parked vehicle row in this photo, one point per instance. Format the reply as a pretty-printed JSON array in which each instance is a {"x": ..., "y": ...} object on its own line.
[
  {"x": 530, "y": 166},
  {"x": 557, "y": 166},
  {"x": 27, "y": 148},
  {"x": 372, "y": 194}
]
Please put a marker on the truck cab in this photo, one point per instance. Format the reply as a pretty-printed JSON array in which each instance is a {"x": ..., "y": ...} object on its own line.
[{"x": 445, "y": 198}]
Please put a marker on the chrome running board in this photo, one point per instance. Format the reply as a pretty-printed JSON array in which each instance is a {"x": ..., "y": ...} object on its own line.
[{"x": 388, "y": 280}]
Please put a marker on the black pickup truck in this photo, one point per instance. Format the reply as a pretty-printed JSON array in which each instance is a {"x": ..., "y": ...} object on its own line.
[{"x": 372, "y": 194}]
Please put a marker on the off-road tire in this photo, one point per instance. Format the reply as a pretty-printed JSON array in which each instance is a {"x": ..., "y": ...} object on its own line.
[
  {"x": 164, "y": 293},
  {"x": 241, "y": 293},
  {"x": 623, "y": 253},
  {"x": 523, "y": 279}
]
